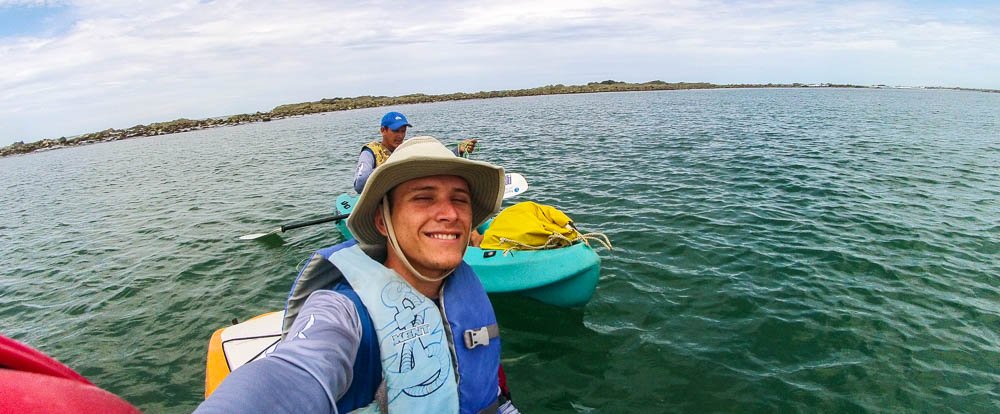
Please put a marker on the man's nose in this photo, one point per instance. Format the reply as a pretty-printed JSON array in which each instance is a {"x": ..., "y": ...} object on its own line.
[{"x": 447, "y": 211}]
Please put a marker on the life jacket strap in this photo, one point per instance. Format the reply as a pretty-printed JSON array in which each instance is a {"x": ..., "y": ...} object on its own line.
[{"x": 481, "y": 336}]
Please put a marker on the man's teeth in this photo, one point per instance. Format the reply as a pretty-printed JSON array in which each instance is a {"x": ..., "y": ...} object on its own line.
[{"x": 444, "y": 236}]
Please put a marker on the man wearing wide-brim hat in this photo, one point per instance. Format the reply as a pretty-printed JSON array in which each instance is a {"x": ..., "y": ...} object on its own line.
[{"x": 393, "y": 319}]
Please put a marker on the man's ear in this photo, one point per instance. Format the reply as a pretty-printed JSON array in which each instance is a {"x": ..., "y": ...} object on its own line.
[{"x": 380, "y": 221}]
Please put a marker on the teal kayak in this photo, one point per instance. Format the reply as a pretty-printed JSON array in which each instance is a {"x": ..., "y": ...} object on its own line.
[{"x": 563, "y": 277}]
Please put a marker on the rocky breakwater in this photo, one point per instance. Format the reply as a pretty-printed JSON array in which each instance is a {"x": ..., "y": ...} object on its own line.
[
  {"x": 112, "y": 134},
  {"x": 357, "y": 102}
]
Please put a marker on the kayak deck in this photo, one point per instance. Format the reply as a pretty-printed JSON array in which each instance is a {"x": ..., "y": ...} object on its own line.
[{"x": 234, "y": 346}]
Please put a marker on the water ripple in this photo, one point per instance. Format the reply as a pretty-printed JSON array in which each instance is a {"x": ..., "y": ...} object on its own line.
[{"x": 775, "y": 250}]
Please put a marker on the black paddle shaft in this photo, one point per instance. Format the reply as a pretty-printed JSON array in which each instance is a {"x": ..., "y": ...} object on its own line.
[{"x": 321, "y": 220}]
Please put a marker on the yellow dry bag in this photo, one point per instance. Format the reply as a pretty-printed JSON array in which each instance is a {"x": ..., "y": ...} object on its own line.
[{"x": 529, "y": 226}]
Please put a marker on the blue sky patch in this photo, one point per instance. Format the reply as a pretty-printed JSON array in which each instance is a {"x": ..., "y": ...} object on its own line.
[{"x": 19, "y": 21}]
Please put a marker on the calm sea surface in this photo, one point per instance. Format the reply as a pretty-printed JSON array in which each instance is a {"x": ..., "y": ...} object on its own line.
[{"x": 783, "y": 250}]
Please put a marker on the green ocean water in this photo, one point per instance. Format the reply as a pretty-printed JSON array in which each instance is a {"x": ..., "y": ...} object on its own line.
[{"x": 776, "y": 250}]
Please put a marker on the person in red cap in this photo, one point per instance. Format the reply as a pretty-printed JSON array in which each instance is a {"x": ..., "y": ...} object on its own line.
[{"x": 393, "y": 131}]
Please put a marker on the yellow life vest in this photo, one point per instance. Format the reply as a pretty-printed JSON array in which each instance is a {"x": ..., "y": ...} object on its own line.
[
  {"x": 381, "y": 152},
  {"x": 529, "y": 226}
]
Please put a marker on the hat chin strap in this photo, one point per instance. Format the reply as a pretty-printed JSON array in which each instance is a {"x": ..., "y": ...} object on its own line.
[{"x": 399, "y": 252}]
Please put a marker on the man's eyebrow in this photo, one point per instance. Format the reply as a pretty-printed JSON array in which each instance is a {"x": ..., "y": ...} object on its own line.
[{"x": 434, "y": 187}]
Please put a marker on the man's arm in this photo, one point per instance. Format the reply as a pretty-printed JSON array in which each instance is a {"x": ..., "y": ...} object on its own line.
[
  {"x": 366, "y": 164},
  {"x": 306, "y": 373}
]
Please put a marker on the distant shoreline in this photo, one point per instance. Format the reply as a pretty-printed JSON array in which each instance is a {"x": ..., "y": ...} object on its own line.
[{"x": 359, "y": 102}]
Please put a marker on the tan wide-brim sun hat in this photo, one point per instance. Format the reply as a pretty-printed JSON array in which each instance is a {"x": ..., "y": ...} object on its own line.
[{"x": 421, "y": 157}]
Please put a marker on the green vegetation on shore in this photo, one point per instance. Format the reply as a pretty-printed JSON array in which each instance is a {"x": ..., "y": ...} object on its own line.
[{"x": 343, "y": 104}]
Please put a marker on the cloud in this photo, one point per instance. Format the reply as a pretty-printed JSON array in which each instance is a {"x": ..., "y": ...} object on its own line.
[{"x": 118, "y": 63}]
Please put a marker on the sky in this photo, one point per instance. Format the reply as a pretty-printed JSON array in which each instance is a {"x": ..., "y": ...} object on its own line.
[{"x": 73, "y": 67}]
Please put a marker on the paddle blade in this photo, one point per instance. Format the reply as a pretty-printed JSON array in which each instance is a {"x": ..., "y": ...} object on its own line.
[
  {"x": 516, "y": 184},
  {"x": 256, "y": 236}
]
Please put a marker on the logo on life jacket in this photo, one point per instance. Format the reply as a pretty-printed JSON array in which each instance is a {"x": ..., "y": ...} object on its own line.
[{"x": 410, "y": 334}]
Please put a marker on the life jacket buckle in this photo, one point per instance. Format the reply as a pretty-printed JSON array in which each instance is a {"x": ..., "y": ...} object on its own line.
[{"x": 476, "y": 337}]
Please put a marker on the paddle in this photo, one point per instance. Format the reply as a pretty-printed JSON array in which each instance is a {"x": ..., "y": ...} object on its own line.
[
  {"x": 515, "y": 184},
  {"x": 295, "y": 225}
]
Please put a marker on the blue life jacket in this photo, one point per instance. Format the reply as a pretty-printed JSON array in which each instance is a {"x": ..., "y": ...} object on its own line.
[{"x": 465, "y": 307}]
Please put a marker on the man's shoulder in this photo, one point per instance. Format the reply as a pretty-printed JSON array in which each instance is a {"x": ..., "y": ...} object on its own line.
[
  {"x": 369, "y": 147},
  {"x": 326, "y": 300},
  {"x": 333, "y": 310}
]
